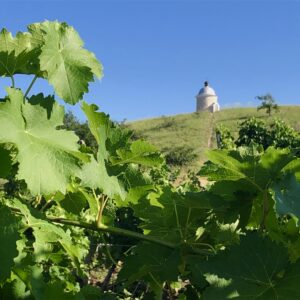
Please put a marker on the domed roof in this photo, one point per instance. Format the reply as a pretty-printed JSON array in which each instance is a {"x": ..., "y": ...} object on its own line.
[{"x": 207, "y": 90}]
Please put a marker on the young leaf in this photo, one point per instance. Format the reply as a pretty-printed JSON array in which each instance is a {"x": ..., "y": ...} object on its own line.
[{"x": 99, "y": 125}]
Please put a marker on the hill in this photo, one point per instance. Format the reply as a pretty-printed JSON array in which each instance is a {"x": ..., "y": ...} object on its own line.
[{"x": 197, "y": 130}]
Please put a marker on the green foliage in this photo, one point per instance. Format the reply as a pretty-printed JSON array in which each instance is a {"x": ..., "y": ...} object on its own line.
[
  {"x": 70, "y": 211},
  {"x": 283, "y": 135},
  {"x": 253, "y": 131},
  {"x": 224, "y": 138},
  {"x": 166, "y": 123},
  {"x": 37, "y": 140},
  {"x": 9, "y": 235},
  {"x": 194, "y": 130},
  {"x": 180, "y": 156},
  {"x": 257, "y": 268},
  {"x": 268, "y": 103},
  {"x": 18, "y": 55}
]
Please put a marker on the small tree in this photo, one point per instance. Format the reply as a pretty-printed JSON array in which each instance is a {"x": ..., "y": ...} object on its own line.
[{"x": 268, "y": 103}]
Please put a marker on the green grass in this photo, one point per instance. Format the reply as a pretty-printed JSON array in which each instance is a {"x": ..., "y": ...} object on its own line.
[{"x": 196, "y": 130}]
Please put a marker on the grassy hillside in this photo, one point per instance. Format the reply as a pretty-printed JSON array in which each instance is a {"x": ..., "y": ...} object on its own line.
[{"x": 196, "y": 130}]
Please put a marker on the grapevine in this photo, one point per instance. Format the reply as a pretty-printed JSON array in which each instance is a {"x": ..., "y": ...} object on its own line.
[{"x": 237, "y": 238}]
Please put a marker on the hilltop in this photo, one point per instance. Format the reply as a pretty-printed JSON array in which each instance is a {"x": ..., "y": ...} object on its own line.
[{"x": 197, "y": 130}]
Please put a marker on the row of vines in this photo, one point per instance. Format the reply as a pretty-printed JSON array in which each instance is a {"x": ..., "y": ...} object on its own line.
[{"x": 81, "y": 224}]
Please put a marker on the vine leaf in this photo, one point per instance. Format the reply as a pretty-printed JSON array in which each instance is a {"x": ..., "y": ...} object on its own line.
[
  {"x": 94, "y": 175},
  {"x": 286, "y": 195},
  {"x": 73, "y": 202},
  {"x": 155, "y": 264},
  {"x": 65, "y": 63},
  {"x": 47, "y": 235},
  {"x": 242, "y": 178},
  {"x": 9, "y": 235},
  {"x": 236, "y": 165},
  {"x": 47, "y": 157},
  {"x": 139, "y": 152},
  {"x": 258, "y": 268},
  {"x": 5, "y": 162},
  {"x": 33, "y": 279},
  {"x": 18, "y": 55},
  {"x": 99, "y": 125}
]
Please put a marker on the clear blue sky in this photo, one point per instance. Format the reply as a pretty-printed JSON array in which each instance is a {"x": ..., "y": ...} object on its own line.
[{"x": 156, "y": 54}]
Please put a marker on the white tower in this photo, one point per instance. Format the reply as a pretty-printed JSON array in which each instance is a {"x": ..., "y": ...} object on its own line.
[{"x": 207, "y": 99}]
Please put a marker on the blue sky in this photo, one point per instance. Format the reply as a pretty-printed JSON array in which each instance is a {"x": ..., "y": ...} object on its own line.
[{"x": 157, "y": 54}]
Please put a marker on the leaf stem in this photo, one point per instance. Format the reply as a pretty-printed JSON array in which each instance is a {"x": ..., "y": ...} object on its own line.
[
  {"x": 30, "y": 86},
  {"x": 108, "y": 251},
  {"x": 12, "y": 81},
  {"x": 103, "y": 201},
  {"x": 177, "y": 219},
  {"x": 265, "y": 212}
]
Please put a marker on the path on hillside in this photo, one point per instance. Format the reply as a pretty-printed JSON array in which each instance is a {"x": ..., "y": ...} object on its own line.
[{"x": 212, "y": 131}]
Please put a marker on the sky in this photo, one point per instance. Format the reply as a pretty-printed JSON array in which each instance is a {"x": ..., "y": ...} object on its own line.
[{"x": 157, "y": 53}]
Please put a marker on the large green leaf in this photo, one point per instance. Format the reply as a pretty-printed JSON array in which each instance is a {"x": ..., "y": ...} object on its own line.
[
  {"x": 236, "y": 165},
  {"x": 65, "y": 63},
  {"x": 287, "y": 193},
  {"x": 94, "y": 175},
  {"x": 153, "y": 263},
  {"x": 256, "y": 269},
  {"x": 9, "y": 235},
  {"x": 47, "y": 157},
  {"x": 166, "y": 215},
  {"x": 5, "y": 162},
  {"x": 18, "y": 55}
]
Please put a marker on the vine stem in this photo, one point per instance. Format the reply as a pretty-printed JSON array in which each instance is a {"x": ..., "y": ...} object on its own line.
[
  {"x": 30, "y": 86},
  {"x": 265, "y": 210},
  {"x": 12, "y": 81},
  {"x": 103, "y": 199},
  {"x": 177, "y": 219},
  {"x": 123, "y": 232}
]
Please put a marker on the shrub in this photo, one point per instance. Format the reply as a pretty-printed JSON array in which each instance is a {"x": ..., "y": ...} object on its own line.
[
  {"x": 253, "y": 131},
  {"x": 180, "y": 156},
  {"x": 224, "y": 138},
  {"x": 283, "y": 135}
]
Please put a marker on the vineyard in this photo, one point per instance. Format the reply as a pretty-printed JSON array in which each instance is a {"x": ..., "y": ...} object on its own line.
[{"x": 81, "y": 223}]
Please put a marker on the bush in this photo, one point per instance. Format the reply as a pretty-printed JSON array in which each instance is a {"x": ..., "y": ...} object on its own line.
[
  {"x": 180, "y": 156},
  {"x": 166, "y": 123},
  {"x": 253, "y": 131},
  {"x": 224, "y": 138},
  {"x": 283, "y": 135}
]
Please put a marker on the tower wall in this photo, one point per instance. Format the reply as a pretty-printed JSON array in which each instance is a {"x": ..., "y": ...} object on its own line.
[{"x": 206, "y": 102}]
